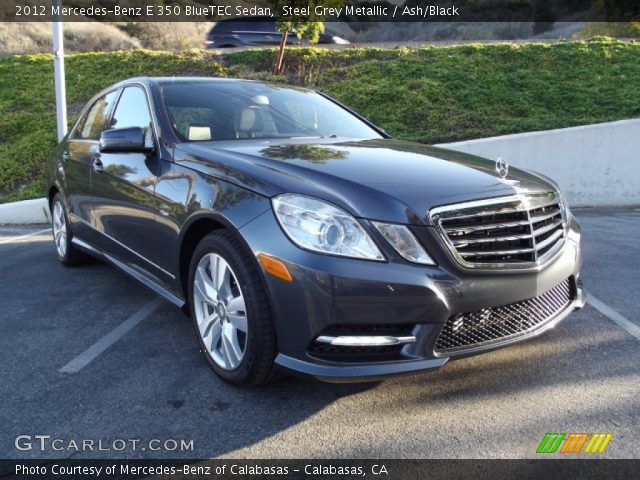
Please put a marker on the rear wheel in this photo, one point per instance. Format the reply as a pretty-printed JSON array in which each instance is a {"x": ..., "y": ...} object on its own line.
[
  {"x": 67, "y": 253},
  {"x": 231, "y": 312}
]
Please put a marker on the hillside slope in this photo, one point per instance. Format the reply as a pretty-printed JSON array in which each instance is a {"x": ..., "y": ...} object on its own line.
[{"x": 431, "y": 94}]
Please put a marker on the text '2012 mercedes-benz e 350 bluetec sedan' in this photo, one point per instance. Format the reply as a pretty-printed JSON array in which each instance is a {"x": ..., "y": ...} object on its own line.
[{"x": 299, "y": 236}]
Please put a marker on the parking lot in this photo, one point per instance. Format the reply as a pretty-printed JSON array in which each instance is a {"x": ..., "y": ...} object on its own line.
[{"x": 88, "y": 353}]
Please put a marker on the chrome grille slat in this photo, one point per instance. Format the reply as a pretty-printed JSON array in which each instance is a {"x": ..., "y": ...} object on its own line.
[
  {"x": 540, "y": 218},
  {"x": 542, "y": 205},
  {"x": 555, "y": 236},
  {"x": 547, "y": 228},
  {"x": 479, "y": 253},
  {"x": 490, "y": 326},
  {"x": 487, "y": 212},
  {"x": 493, "y": 226},
  {"x": 521, "y": 231},
  {"x": 496, "y": 239}
]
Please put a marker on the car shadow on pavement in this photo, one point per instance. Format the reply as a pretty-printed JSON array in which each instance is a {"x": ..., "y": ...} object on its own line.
[{"x": 154, "y": 384}]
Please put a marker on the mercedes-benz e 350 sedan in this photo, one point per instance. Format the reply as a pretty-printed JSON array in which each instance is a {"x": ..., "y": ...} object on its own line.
[{"x": 298, "y": 236}]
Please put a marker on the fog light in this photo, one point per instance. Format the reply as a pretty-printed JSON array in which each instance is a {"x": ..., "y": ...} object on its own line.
[{"x": 365, "y": 341}]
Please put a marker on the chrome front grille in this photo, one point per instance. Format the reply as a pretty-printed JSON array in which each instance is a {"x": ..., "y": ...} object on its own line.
[
  {"x": 470, "y": 331},
  {"x": 510, "y": 232}
]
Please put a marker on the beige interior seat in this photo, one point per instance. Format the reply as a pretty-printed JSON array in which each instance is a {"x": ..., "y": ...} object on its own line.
[
  {"x": 198, "y": 132},
  {"x": 248, "y": 122}
]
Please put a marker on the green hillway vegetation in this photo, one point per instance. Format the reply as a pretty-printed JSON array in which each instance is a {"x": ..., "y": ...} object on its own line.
[{"x": 429, "y": 94}]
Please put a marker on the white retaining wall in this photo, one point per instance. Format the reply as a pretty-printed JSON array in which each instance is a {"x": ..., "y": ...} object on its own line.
[
  {"x": 25, "y": 212},
  {"x": 595, "y": 165}
]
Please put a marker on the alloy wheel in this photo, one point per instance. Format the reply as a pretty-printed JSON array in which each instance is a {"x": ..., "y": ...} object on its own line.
[
  {"x": 60, "y": 229},
  {"x": 220, "y": 311}
]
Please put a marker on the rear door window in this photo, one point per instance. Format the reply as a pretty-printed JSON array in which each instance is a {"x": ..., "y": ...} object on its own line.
[
  {"x": 240, "y": 26},
  {"x": 269, "y": 27},
  {"x": 221, "y": 28}
]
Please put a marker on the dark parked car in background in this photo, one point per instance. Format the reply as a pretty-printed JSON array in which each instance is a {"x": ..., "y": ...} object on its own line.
[
  {"x": 256, "y": 32},
  {"x": 299, "y": 236}
]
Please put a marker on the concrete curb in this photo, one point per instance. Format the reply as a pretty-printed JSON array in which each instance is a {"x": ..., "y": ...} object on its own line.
[{"x": 26, "y": 212}]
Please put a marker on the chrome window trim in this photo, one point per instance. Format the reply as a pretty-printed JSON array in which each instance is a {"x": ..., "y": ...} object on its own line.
[{"x": 525, "y": 202}]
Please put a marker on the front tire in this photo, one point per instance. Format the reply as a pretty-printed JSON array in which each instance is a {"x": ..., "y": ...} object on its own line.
[
  {"x": 67, "y": 253},
  {"x": 231, "y": 312}
]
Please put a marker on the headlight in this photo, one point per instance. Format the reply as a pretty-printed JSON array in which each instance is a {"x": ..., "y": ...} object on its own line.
[
  {"x": 321, "y": 227},
  {"x": 404, "y": 242}
]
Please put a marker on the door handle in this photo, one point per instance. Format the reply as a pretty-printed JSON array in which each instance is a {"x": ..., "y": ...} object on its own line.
[{"x": 98, "y": 167}]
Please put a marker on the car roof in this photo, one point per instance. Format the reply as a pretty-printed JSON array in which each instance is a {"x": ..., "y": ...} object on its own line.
[
  {"x": 248, "y": 19},
  {"x": 176, "y": 80}
]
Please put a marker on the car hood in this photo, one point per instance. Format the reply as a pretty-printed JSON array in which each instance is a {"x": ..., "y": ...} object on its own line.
[{"x": 383, "y": 179}]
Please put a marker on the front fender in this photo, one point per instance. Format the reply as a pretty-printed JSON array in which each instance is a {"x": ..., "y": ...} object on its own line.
[{"x": 185, "y": 215}]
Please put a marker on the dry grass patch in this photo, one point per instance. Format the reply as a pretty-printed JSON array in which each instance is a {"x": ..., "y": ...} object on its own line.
[{"x": 35, "y": 37}]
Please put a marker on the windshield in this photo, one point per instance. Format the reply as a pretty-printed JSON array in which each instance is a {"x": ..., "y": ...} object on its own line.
[{"x": 241, "y": 110}]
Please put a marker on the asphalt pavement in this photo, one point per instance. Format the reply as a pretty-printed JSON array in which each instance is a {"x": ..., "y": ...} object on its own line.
[{"x": 139, "y": 379}]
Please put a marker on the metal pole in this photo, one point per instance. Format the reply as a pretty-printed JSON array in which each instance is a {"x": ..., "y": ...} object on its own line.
[{"x": 58, "y": 70}]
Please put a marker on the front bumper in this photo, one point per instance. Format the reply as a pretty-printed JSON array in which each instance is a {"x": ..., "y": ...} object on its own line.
[{"x": 396, "y": 298}]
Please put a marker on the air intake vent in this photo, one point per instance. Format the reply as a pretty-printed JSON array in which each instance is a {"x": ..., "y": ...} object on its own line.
[
  {"x": 511, "y": 232},
  {"x": 471, "y": 330}
]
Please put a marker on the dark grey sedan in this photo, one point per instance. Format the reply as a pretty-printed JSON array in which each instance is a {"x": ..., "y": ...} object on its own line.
[
  {"x": 300, "y": 237},
  {"x": 257, "y": 32}
]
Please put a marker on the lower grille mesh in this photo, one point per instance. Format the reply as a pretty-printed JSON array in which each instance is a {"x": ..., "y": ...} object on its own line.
[{"x": 467, "y": 331}]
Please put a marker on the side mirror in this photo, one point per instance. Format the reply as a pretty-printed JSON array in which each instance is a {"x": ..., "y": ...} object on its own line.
[{"x": 130, "y": 139}]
